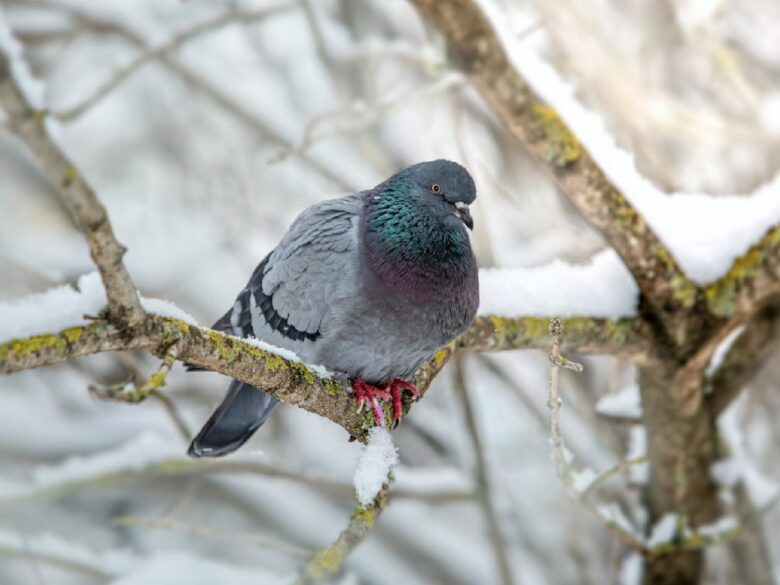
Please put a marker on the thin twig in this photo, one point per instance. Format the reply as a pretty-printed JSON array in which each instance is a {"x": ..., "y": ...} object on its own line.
[
  {"x": 482, "y": 478},
  {"x": 154, "y": 53},
  {"x": 135, "y": 393},
  {"x": 560, "y": 455},
  {"x": 328, "y": 561}
]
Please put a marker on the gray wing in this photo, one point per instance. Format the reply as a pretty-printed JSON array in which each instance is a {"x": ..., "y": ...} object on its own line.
[{"x": 291, "y": 294}]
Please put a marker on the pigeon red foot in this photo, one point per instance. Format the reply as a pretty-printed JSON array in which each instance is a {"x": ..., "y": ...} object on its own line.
[{"x": 365, "y": 392}]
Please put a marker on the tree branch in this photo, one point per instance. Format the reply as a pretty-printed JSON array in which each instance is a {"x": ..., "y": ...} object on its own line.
[
  {"x": 628, "y": 338},
  {"x": 31, "y": 127},
  {"x": 328, "y": 561},
  {"x": 477, "y": 50},
  {"x": 289, "y": 381},
  {"x": 757, "y": 343},
  {"x": 154, "y": 53},
  {"x": 752, "y": 278}
]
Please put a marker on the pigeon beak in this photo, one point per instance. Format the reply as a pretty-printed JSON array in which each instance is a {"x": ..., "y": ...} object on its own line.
[{"x": 462, "y": 211}]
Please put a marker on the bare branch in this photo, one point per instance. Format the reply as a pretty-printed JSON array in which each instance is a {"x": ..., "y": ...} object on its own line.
[
  {"x": 475, "y": 47},
  {"x": 328, "y": 561},
  {"x": 30, "y": 126},
  {"x": 757, "y": 343},
  {"x": 562, "y": 457},
  {"x": 154, "y": 53}
]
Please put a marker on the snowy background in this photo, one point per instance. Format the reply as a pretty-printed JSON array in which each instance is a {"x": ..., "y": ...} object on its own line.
[{"x": 204, "y": 154}]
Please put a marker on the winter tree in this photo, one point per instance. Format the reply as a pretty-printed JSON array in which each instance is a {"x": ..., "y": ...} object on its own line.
[{"x": 610, "y": 415}]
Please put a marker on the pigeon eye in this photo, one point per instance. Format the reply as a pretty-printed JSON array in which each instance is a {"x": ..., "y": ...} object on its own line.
[{"x": 435, "y": 188}]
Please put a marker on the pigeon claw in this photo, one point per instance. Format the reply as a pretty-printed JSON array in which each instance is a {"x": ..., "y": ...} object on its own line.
[
  {"x": 393, "y": 391},
  {"x": 365, "y": 392},
  {"x": 396, "y": 393}
]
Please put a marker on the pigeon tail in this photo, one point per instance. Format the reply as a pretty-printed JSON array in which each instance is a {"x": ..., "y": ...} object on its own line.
[{"x": 242, "y": 412}]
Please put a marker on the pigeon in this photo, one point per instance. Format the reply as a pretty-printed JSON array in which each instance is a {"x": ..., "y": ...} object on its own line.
[{"x": 369, "y": 285}]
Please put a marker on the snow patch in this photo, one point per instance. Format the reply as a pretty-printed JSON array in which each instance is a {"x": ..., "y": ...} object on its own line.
[
  {"x": 602, "y": 287},
  {"x": 623, "y": 404},
  {"x": 53, "y": 310},
  {"x": 722, "y": 350},
  {"x": 638, "y": 474},
  {"x": 663, "y": 531},
  {"x": 289, "y": 355},
  {"x": 375, "y": 462},
  {"x": 583, "y": 479},
  {"x": 631, "y": 570},
  {"x": 740, "y": 467}
]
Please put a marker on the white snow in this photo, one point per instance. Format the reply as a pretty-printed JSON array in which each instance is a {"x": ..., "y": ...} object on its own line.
[
  {"x": 63, "y": 307},
  {"x": 376, "y": 460},
  {"x": 740, "y": 466},
  {"x": 289, "y": 355},
  {"x": 166, "y": 308},
  {"x": 626, "y": 403},
  {"x": 602, "y": 287},
  {"x": 722, "y": 350},
  {"x": 613, "y": 514},
  {"x": 723, "y": 525},
  {"x": 631, "y": 570},
  {"x": 639, "y": 473},
  {"x": 663, "y": 531},
  {"x": 761, "y": 489},
  {"x": 52, "y": 310},
  {"x": 583, "y": 479},
  {"x": 705, "y": 234}
]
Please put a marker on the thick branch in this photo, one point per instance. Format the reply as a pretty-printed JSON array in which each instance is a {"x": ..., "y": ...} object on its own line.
[
  {"x": 628, "y": 338},
  {"x": 30, "y": 126},
  {"x": 477, "y": 50},
  {"x": 752, "y": 278}
]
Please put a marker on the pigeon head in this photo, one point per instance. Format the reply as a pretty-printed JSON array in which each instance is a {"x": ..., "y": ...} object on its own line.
[{"x": 444, "y": 187}]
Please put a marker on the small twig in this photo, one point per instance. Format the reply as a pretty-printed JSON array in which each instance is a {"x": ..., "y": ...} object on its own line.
[
  {"x": 562, "y": 457},
  {"x": 154, "y": 53},
  {"x": 133, "y": 393},
  {"x": 328, "y": 561},
  {"x": 359, "y": 118},
  {"x": 173, "y": 412},
  {"x": 198, "y": 530}
]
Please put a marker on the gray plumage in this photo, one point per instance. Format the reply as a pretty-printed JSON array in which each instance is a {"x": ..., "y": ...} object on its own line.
[{"x": 370, "y": 284}]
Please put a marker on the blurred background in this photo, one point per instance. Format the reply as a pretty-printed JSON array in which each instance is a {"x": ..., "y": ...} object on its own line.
[{"x": 205, "y": 150}]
